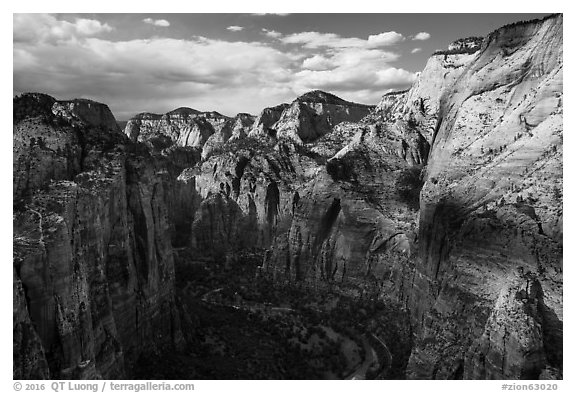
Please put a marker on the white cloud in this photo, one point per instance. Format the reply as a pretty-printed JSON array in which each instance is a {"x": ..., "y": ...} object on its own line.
[
  {"x": 156, "y": 22},
  {"x": 71, "y": 59},
  {"x": 348, "y": 64},
  {"x": 271, "y": 33},
  {"x": 352, "y": 69},
  {"x": 46, "y": 28},
  {"x": 422, "y": 36},
  {"x": 271, "y": 13},
  {"x": 416, "y": 50},
  {"x": 317, "y": 63},
  {"x": 158, "y": 74},
  {"x": 385, "y": 39},
  {"x": 314, "y": 39},
  {"x": 394, "y": 77},
  {"x": 235, "y": 28}
]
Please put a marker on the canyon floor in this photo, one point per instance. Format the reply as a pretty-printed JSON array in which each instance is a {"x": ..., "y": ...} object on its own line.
[{"x": 246, "y": 327}]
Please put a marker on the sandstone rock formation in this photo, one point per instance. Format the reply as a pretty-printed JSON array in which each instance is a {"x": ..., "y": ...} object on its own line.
[
  {"x": 491, "y": 206},
  {"x": 263, "y": 125},
  {"x": 349, "y": 214},
  {"x": 183, "y": 127},
  {"x": 420, "y": 104},
  {"x": 234, "y": 129},
  {"x": 252, "y": 184},
  {"x": 247, "y": 195},
  {"x": 315, "y": 113},
  {"x": 186, "y": 129},
  {"x": 93, "y": 263}
]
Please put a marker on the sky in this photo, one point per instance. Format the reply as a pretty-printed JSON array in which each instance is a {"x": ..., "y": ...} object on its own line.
[{"x": 229, "y": 63}]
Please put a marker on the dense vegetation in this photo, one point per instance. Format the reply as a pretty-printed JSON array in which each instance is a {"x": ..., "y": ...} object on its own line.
[
  {"x": 456, "y": 51},
  {"x": 240, "y": 325}
]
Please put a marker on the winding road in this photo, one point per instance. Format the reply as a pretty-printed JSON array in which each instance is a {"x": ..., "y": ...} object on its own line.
[{"x": 370, "y": 357}]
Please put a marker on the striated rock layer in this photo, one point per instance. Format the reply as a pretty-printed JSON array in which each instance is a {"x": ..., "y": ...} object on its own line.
[
  {"x": 187, "y": 129},
  {"x": 351, "y": 217},
  {"x": 247, "y": 196},
  {"x": 308, "y": 117},
  {"x": 487, "y": 294},
  {"x": 93, "y": 267},
  {"x": 250, "y": 187}
]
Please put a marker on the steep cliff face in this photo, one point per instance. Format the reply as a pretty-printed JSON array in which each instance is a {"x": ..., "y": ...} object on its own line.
[
  {"x": 260, "y": 176},
  {"x": 243, "y": 123},
  {"x": 420, "y": 104},
  {"x": 28, "y": 353},
  {"x": 183, "y": 127},
  {"x": 491, "y": 215},
  {"x": 353, "y": 225},
  {"x": 180, "y": 139},
  {"x": 234, "y": 129},
  {"x": 92, "y": 256},
  {"x": 308, "y": 117},
  {"x": 392, "y": 104},
  {"x": 249, "y": 191},
  {"x": 186, "y": 129},
  {"x": 263, "y": 125},
  {"x": 339, "y": 209},
  {"x": 86, "y": 111}
]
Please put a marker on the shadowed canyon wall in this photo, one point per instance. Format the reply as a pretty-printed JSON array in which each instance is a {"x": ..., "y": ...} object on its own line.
[{"x": 93, "y": 267}]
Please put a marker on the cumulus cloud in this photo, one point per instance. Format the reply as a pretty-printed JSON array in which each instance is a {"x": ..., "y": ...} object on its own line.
[
  {"x": 314, "y": 39},
  {"x": 349, "y": 65},
  {"x": 271, "y": 33},
  {"x": 70, "y": 59},
  {"x": 416, "y": 50},
  {"x": 157, "y": 74},
  {"x": 385, "y": 39},
  {"x": 317, "y": 63},
  {"x": 156, "y": 22},
  {"x": 422, "y": 36},
  {"x": 271, "y": 13},
  {"x": 235, "y": 28},
  {"x": 46, "y": 28},
  {"x": 351, "y": 70}
]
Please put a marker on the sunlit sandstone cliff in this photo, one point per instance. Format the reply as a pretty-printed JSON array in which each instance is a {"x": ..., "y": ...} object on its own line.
[{"x": 487, "y": 294}]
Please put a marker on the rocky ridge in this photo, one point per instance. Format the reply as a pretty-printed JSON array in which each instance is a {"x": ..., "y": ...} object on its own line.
[{"x": 315, "y": 114}]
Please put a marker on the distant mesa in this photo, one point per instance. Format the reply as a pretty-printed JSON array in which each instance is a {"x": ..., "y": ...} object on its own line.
[{"x": 185, "y": 111}]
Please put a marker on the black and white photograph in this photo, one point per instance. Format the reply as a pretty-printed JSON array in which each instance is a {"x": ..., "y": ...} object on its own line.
[{"x": 287, "y": 196}]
